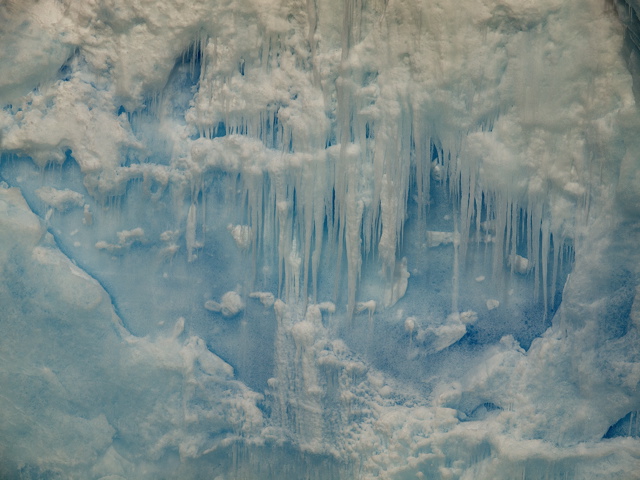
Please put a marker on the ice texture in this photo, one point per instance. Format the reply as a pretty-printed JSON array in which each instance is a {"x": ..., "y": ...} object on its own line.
[{"x": 329, "y": 239}]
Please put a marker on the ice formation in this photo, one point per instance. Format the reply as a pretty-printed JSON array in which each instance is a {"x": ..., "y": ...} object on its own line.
[{"x": 322, "y": 239}]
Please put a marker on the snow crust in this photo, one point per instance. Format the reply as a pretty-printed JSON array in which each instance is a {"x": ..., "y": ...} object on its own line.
[{"x": 335, "y": 239}]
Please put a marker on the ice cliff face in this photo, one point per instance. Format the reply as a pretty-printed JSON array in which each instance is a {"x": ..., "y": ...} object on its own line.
[{"x": 359, "y": 239}]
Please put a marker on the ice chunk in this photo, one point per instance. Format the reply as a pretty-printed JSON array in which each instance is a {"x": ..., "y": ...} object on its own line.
[
  {"x": 437, "y": 172},
  {"x": 241, "y": 234},
  {"x": 328, "y": 307},
  {"x": 169, "y": 235},
  {"x": 61, "y": 200},
  {"x": 437, "y": 338},
  {"x": 126, "y": 238},
  {"x": 492, "y": 304},
  {"x": 266, "y": 298},
  {"x": 230, "y": 305},
  {"x": 191, "y": 233},
  {"x": 435, "y": 239},
  {"x": 87, "y": 218},
  {"x": 519, "y": 264},
  {"x": 410, "y": 324}
]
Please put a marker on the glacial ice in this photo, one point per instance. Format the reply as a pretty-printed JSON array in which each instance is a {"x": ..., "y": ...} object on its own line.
[{"x": 377, "y": 239}]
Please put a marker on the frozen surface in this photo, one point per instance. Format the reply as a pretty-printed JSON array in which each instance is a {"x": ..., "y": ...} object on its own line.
[{"x": 324, "y": 239}]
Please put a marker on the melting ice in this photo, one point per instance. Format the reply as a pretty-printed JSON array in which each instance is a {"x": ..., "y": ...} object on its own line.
[{"x": 378, "y": 239}]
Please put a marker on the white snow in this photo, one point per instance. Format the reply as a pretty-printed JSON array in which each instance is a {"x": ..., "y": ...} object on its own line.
[
  {"x": 435, "y": 239},
  {"x": 492, "y": 304},
  {"x": 266, "y": 298},
  {"x": 61, "y": 200},
  {"x": 241, "y": 235},
  {"x": 230, "y": 305},
  {"x": 309, "y": 152},
  {"x": 126, "y": 238},
  {"x": 519, "y": 264}
]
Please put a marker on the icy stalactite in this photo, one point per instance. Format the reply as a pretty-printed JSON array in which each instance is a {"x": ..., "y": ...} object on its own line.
[
  {"x": 375, "y": 105},
  {"x": 190, "y": 235}
]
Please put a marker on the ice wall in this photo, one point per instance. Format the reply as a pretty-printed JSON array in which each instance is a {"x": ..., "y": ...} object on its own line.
[{"x": 320, "y": 239}]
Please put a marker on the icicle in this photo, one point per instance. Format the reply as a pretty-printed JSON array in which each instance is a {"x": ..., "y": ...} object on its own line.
[
  {"x": 292, "y": 272},
  {"x": 256, "y": 212},
  {"x": 283, "y": 217},
  {"x": 353, "y": 243},
  {"x": 467, "y": 205},
  {"x": 312, "y": 19},
  {"x": 535, "y": 247},
  {"x": 545, "y": 266},
  {"x": 319, "y": 216},
  {"x": 557, "y": 249},
  {"x": 191, "y": 232},
  {"x": 455, "y": 281},
  {"x": 402, "y": 171},
  {"x": 502, "y": 229},
  {"x": 513, "y": 223},
  {"x": 422, "y": 160},
  {"x": 388, "y": 240},
  {"x": 307, "y": 214}
]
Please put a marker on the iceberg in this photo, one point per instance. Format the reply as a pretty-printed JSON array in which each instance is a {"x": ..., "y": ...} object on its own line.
[{"x": 380, "y": 239}]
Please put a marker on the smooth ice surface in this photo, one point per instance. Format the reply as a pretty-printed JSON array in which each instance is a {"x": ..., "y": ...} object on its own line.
[{"x": 354, "y": 239}]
